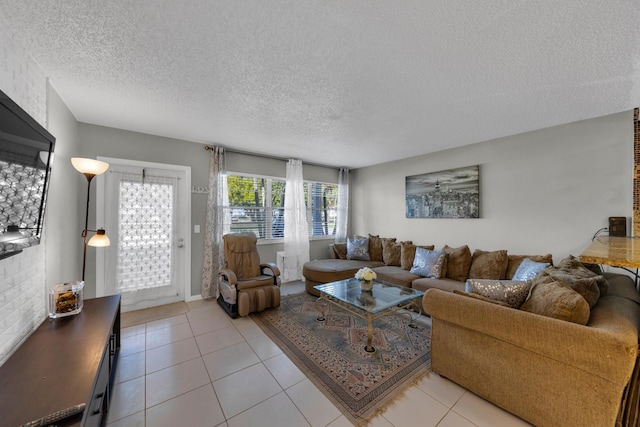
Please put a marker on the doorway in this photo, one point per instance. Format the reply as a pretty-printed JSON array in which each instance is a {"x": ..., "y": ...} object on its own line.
[{"x": 145, "y": 208}]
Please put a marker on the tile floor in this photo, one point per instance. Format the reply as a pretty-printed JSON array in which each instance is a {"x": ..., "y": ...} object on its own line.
[{"x": 205, "y": 369}]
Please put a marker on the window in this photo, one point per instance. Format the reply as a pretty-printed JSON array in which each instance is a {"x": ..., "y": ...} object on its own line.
[{"x": 256, "y": 204}]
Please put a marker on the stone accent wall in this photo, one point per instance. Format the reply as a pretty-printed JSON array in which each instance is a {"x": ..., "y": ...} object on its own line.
[
  {"x": 22, "y": 277},
  {"x": 636, "y": 172}
]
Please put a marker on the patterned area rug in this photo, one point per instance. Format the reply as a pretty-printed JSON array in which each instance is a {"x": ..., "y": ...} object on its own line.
[{"x": 331, "y": 353}]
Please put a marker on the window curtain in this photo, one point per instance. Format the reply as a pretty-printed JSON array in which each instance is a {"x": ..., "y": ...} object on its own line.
[
  {"x": 216, "y": 225},
  {"x": 296, "y": 228},
  {"x": 343, "y": 205}
]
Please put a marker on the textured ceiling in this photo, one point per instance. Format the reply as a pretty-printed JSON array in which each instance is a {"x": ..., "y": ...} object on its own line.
[{"x": 343, "y": 83}]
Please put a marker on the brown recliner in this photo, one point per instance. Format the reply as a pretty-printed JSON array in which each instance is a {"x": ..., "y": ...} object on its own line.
[{"x": 245, "y": 284}]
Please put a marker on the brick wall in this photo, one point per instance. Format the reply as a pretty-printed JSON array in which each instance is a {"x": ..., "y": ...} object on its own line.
[{"x": 22, "y": 277}]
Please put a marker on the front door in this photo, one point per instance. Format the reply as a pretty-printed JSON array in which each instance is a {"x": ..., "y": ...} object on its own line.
[{"x": 146, "y": 261}]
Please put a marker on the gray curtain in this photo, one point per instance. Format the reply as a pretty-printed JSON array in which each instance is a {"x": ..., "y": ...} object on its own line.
[{"x": 216, "y": 225}]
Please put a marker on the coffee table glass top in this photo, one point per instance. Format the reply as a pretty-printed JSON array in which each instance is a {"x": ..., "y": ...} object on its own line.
[{"x": 382, "y": 297}]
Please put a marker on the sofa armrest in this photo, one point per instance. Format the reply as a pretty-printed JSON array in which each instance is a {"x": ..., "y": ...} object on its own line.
[{"x": 606, "y": 349}]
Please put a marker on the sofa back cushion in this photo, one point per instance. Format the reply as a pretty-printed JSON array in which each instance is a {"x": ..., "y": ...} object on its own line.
[
  {"x": 375, "y": 247},
  {"x": 428, "y": 263},
  {"x": 457, "y": 263},
  {"x": 391, "y": 252},
  {"x": 358, "y": 249},
  {"x": 515, "y": 260},
  {"x": 408, "y": 253},
  {"x": 489, "y": 265}
]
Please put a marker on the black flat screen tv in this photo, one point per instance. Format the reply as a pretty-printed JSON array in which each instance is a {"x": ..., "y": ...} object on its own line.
[{"x": 26, "y": 154}]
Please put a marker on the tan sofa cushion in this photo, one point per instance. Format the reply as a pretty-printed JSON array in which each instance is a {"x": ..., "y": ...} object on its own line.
[
  {"x": 395, "y": 275},
  {"x": 488, "y": 265},
  {"x": 391, "y": 252},
  {"x": 457, "y": 263},
  {"x": 557, "y": 300},
  {"x": 572, "y": 273},
  {"x": 375, "y": 248},
  {"x": 408, "y": 253},
  {"x": 340, "y": 250}
]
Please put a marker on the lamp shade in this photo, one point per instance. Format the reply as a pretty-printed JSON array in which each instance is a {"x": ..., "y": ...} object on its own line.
[
  {"x": 100, "y": 239},
  {"x": 89, "y": 166}
]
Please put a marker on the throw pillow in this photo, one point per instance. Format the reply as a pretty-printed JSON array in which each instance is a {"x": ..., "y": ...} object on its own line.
[
  {"x": 480, "y": 297},
  {"x": 510, "y": 292},
  {"x": 458, "y": 262},
  {"x": 515, "y": 260},
  {"x": 578, "y": 269},
  {"x": 358, "y": 249},
  {"x": 428, "y": 263},
  {"x": 408, "y": 253},
  {"x": 340, "y": 249},
  {"x": 553, "y": 299},
  {"x": 375, "y": 248},
  {"x": 488, "y": 265},
  {"x": 391, "y": 252},
  {"x": 529, "y": 269}
]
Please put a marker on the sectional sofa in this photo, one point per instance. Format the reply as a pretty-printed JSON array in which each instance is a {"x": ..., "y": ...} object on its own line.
[{"x": 566, "y": 356}]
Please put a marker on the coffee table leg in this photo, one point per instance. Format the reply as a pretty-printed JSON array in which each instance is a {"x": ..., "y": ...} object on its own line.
[
  {"x": 322, "y": 304},
  {"x": 369, "y": 348}
]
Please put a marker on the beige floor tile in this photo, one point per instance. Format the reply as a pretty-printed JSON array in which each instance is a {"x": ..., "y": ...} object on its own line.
[
  {"x": 484, "y": 414},
  {"x": 132, "y": 344},
  {"x": 278, "y": 410},
  {"x": 443, "y": 390},
  {"x": 219, "y": 339},
  {"x": 454, "y": 420},
  {"x": 415, "y": 405},
  {"x": 244, "y": 389},
  {"x": 315, "y": 407},
  {"x": 174, "y": 381},
  {"x": 133, "y": 330},
  {"x": 127, "y": 399},
  {"x": 167, "y": 335},
  {"x": 264, "y": 347},
  {"x": 171, "y": 354},
  {"x": 130, "y": 367},
  {"x": 209, "y": 322},
  {"x": 342, "y": 421},
  {"x": 135, "y": 420},
  {"x": 247, "y": 327},
  {"x": 229, "y": 360},
  {"x": 198, "y": 407},
  {"x": 164, "y": 323},
  {"x": 284, "y": 370}
]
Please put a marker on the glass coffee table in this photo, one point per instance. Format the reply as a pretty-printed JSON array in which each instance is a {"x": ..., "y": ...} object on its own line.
[{"x": 382, "y": 300}]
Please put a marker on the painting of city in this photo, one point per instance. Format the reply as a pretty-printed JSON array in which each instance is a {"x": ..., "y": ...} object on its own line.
[{"x": 452, "y": 193}]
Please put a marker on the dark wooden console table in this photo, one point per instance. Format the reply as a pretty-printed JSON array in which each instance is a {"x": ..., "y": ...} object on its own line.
[{"x": 65, "y": 362}]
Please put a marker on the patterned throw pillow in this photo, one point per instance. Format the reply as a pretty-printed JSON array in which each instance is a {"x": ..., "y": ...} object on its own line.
[
  {"x": 428, "y": 263},
  {"x": 529, "y": 269},
  {"x": 358, "y": 249},
  {"x": 507, "y": 291}
]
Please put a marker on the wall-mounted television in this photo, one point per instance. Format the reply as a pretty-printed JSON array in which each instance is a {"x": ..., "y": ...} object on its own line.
[{"x": 26, "y": 154}]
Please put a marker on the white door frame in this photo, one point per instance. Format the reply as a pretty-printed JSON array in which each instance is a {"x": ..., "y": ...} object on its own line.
[{"x": 184, "y": 212}]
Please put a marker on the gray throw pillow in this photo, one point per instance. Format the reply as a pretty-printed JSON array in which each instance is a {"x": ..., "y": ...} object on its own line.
[
  {"x": 529, "y": 269},
  {"x": 428, "y": 263},
  {"x": 511, "y": 292},
  {"x": 358, "y": 249}
]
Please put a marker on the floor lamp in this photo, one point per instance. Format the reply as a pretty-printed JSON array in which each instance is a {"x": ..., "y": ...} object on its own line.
[{"x": 90, "y": 168}]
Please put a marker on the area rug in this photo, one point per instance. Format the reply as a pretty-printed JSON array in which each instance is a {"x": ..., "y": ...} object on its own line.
[{"x": 331, "y": 353}]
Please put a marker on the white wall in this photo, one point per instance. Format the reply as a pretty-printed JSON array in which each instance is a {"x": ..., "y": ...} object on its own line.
[
  {"x": 546, "y": 191},
  {"x": 22, "y": 276}
]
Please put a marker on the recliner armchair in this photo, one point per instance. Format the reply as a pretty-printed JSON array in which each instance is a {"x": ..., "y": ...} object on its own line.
[{"x": 246, "y": 285}]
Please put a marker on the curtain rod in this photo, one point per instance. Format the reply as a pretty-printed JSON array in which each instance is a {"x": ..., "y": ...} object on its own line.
[{"x": 266, "y": 156}]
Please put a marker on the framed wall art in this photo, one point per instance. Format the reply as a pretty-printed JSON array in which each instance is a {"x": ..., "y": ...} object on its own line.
[{"x": 453, "y": 193}]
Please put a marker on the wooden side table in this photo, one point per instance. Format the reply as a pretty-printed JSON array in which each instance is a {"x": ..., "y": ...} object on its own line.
[{"x": 620, "y": 252}]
